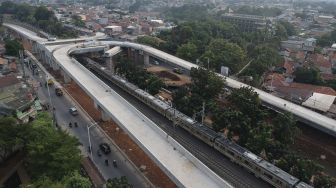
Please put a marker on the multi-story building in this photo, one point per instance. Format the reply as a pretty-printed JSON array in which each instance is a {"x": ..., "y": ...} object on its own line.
[{"x": 251, "y": 23}]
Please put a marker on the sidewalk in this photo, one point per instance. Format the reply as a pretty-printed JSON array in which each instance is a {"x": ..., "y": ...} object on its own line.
[{"x": 93, "y": 173}]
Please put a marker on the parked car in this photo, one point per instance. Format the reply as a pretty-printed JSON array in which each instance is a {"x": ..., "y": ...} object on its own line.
[
  {"x": 73, "y": 111},
  {"x": 105, "y": 148}
]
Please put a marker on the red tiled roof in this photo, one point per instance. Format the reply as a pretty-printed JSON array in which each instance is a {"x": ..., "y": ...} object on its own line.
[
  {"x": 289, "y": 66},
  {"x": 321, "y": 61},
  {"x": 279, "y": 81},
  {"x": 327, "y": 76},
  {"x": 13, "y": 66}
]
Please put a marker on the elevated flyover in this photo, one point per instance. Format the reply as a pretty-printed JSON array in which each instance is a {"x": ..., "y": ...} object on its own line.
[
  {"x": 182, "y": 167},
  {"x": 303, "y": 114}
]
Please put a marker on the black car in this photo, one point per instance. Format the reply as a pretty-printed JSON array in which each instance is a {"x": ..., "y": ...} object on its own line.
[{"x": 105, "y": 148}]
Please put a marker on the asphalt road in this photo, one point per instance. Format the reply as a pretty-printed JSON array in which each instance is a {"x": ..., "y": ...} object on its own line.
[{"x": 63, "y": 117}]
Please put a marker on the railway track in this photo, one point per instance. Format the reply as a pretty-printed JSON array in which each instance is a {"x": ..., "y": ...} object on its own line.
[
  {"x": 221, "y": 165},
  {"x": 210, "y": 161}
]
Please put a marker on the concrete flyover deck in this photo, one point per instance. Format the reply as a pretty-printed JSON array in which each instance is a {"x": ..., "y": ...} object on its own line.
[
  {"x": 306, "y": 115},
  {"x": 182, "y": 167},
  {"x": 178, "y": 163}
]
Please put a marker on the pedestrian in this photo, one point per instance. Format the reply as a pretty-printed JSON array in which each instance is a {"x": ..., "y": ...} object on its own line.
[
  {"x": 40, "y": 84},
  {"x": 70, "y": 124}
]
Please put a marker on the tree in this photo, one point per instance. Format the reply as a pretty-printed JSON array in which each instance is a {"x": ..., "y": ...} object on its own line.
[
  {"x": 290, "y": 30},
  {"x": 154, "y": 85},
  {"x": 77, "y": 21},
  {"x": 9, "y": 137},
  {"x": 285, "y": 129},
  {"x": 75, "y": 180},
  {"x": 260, "y": 138},
  {"x": 205, "y": 83},
  {"x": 187, "y": 51},
  {"x": 307, "y": 75},
  {"x": 72, "y": 180},
  {"x": 151, "y": 41},
  {"x": 181, "y": 100},
  {"x": 42, "y": 13},
  {"x": 324, "y": 181},
  {"x": 121, "y": 182},
  {"x": 13, "y": 47},
  {"x": 280, "y": 31},
  {"x": 264, "y": 57},
  {"x": 247, "y": 101},
  {"x": 223, "y": 53},
  {"x": 50, "y": 152}
]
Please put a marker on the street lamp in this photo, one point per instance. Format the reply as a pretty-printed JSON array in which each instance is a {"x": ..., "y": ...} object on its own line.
[{"x": 90, "y": 146}]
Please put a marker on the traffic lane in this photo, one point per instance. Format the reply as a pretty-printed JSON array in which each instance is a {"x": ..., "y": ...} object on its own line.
[{"x": 63, "y": 118}]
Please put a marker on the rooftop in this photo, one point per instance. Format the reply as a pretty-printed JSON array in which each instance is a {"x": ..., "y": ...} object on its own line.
[{"x": 8, "y": 81}]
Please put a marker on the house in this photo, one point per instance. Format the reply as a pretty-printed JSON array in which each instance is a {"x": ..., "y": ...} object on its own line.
[
  {"x": 16, "y": 100},
  {"x": 295, "y": 92}
]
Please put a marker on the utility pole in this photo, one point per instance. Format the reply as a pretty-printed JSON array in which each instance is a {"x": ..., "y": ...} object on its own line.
[
  {"x": 203, "y": 112},
  {"x": 21, "y": 59}
]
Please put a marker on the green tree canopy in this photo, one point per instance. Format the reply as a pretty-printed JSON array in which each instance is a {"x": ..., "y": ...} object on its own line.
[
  {"x": 13, "y": 47},
  {"x": 77, "y": 21},
  {"x": 121, "y": 182},
  {"x": 223, "y": 53},
  {"x": 307, "y": 75},
  {"x": 72, "y": 180},
  {"x": 42, "y": 13},
  {"x": 75, "y": 180},
  {"x": 10, "y": 140},
  {"x": 50, "y": 152},
  {"x": 187, "y": 51}
]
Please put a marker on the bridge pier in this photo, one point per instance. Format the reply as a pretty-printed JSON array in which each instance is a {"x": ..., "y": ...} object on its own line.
[
  {"x": 110, "y": 63},
  {"x": 105, "y": 116},
  {"x": 67, "y": 78},
  {"x": 146, "y": 59}
]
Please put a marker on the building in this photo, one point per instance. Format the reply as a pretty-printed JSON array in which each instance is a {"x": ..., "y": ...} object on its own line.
[
  {"x": 113, "y": 30},
  {"x": 251, "y": 23},
  {"x": 17, "y": 99},
  {"x": 300, "y": 44}
]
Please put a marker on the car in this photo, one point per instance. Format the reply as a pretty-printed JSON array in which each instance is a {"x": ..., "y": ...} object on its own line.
[
  {"x": 51, "y": 38},
  {"x": 73, "y": 111},
  {"x": 105, "y": 148},
  {"x": 58, "y": 91}
]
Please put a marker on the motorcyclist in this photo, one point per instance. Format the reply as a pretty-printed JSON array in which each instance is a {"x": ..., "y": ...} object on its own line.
[
  {"x": 106, "y": 162},
  {"x": 70, "y": 124},
  {"x": 115, "y": 163}
]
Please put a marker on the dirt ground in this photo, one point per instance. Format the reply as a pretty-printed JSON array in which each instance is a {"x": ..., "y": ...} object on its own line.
[
  {"x": 169, "y": 77},
  {"x": 133, "y": 151},
  {"x": 313, "y": 144}
]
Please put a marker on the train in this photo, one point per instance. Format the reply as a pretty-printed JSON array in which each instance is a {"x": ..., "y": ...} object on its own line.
[{"x": 237, "y": 154}]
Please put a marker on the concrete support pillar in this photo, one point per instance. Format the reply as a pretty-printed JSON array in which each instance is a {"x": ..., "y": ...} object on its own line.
[
  {"x": 67, "y": 78},
  {"x": 129, "y": 53},
  {"x": 110, "y": 63},
  {"x": 104, "y": 116},
  {"x": 146, "y": 59},
  {"x": 95, "y": 105}
]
